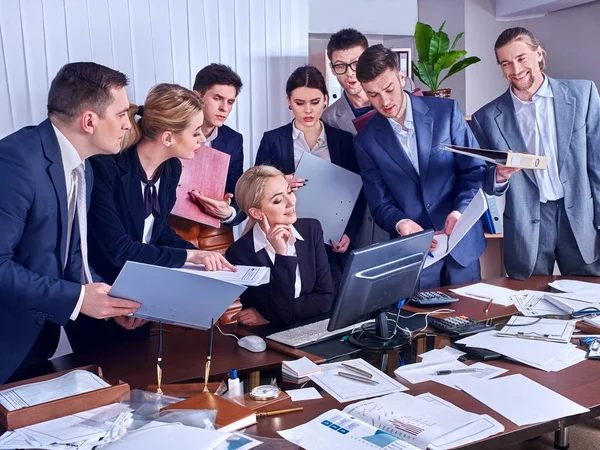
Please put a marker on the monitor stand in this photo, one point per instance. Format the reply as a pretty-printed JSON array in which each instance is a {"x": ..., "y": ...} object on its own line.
[{"x": 378, "y": 337}]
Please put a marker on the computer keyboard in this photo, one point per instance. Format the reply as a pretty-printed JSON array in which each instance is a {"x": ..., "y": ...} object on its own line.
[{"x": 310, "y": 333}]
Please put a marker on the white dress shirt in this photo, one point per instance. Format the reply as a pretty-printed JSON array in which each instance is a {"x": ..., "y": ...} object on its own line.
[
  {"x": 407, "y": 138},
  {"x": 149, "y": 222},
  {"x": 260, "y": 242},
  {"x": 538, "y": 127},
  {"x": 209, "y": 143},
  {"x": 300, "y": 145},
  {"x": 71, "y": 160}
]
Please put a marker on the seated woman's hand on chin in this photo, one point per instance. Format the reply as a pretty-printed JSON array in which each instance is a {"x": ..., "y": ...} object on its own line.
[{"x": 250, "y": 317}]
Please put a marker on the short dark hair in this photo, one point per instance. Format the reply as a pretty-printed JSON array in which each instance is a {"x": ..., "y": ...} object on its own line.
[
  {"x": 520, "y": 34},
  {"x": 374, "y": 61},
  {"x": 217, "y": 74},
  {"x": 83, "y": 86},
  {"x": 306, "y": 76},
  {"x": 345, "y": 39}
]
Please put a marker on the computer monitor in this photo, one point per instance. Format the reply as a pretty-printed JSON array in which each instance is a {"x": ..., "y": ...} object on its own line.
[{"x": 375, "y": 279}]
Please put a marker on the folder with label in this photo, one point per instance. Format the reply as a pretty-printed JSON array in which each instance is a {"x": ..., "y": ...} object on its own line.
[
  {"x": 501, "y": 157},
  {"x": 173, "y": 296}
]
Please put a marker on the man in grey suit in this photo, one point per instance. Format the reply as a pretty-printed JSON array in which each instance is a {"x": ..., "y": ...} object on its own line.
[
  {"x": 343, "y": 50},
  {"x": 553, "y": 214}
]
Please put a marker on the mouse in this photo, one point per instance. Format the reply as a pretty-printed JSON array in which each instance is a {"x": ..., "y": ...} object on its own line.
[{"x": 253, "y": 344}]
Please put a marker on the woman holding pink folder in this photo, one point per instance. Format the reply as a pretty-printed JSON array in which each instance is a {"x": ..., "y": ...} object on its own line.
[{"x": 133, "y": 194}]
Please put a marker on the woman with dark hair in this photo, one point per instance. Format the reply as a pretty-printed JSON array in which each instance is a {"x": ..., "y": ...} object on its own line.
[{"x": 283, "y": 147}]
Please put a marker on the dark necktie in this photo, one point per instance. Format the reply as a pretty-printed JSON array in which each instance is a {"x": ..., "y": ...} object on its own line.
[{"x": 151, "y": 205}]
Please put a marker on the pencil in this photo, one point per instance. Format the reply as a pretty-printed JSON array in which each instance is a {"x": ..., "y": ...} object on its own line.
[
  {"x": 487, "y": 308},
  {"x": 278, "y": 412},
  {"x": 208, "y": 356}
]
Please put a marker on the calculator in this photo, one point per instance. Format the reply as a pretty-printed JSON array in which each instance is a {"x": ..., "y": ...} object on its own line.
[
  {"x": 432, "y": 298},
  {"x": 458, "y": 326}
]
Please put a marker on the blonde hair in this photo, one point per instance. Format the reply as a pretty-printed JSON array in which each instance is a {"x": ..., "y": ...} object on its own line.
[
  {"x": 250, "y": 189},
  {"x": 168, "y": 107}
]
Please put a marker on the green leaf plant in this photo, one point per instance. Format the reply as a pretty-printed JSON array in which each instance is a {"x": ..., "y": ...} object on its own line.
[{"x": 436, "y": 55}]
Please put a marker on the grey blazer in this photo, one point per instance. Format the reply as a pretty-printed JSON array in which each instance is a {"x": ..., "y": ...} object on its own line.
[
  {"x": 577, "y": 115},
  {"x": 339, "y": 115}
]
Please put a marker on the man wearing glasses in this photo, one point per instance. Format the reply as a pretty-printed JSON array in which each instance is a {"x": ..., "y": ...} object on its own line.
[{"x": 343, "y": 50}]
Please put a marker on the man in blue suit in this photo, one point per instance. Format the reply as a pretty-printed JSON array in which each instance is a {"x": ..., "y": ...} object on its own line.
[
  {"x": 45, "y": 280},
  {"x": 218, "y": 86},
  {"x": 410, "y": 183}
]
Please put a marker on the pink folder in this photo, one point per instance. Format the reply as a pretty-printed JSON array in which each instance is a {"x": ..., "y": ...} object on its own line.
[
  {"x": 206, "y": 173},
  {"x": 360, "y": 121}
]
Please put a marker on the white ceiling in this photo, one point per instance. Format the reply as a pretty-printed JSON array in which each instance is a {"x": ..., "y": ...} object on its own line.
[{"x": 518, "y": 9}]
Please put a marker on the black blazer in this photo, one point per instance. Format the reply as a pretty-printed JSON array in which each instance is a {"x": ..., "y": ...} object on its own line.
[
  {"x": 277, "y": 149},
  {"x": 231, "y": 142},
  {"x": 116, "y": 216},
  {"x": 275, "y": 301}
]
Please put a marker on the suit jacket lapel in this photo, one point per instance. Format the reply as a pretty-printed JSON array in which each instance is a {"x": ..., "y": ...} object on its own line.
[
  {"x": 132, "y": 189},
  {"x": 423, "y": 124},
  {"x": 509, "y": 128},
  {"x": 165, "y": 186},
  {"x": 344, "y": 113},
  {"x": 335, "y": 152},
  {"x": 564, "y": 115},
  {"x": 302, "y": 254},
  {"x": 386, "y": 137},
  {"x": 57, "y": 175},
  {"x": 286, "y": 147}
]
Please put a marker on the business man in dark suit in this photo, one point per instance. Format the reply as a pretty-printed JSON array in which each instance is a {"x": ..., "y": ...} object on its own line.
[
  {"x": 410, "y": 183},
  {"x": 218, "y": 86},
  {"x": 551, "y": 215},
  {"x": 45, "y": 280}
]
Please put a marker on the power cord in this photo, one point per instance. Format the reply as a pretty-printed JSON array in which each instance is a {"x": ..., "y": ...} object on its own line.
[{"x": 227, "y": 334}]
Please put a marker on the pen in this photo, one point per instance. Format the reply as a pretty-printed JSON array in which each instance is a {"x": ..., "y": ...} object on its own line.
[
  {"x": 430, "y": 255},
  {"x": 481, "y": 297},
  {"x": 278, "y": 412},
  {"x": 208, "y": 356},
  {"x": 450, "y": 372},
  {"x": 159, "y": 361},
  {"x": 357, "y": 378},
  {"x": 362, "y": 372},
  {"x": 487, "y": 308}
]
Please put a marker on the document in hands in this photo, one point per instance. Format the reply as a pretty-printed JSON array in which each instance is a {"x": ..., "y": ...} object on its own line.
[
  {"x": 501, "y": 157},
  {"x": 470, "y": 216},
  {"x": 329, "y": 196},
  {"x": 245, "y": 275},
  {"x": 173, "y": 296}
]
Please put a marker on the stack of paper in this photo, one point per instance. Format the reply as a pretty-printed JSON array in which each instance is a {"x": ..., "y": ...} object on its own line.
[
  {"x": 485, "y": 292},
  {"x": 507, "y": 395},
  {"x": 535, "y": 303},
  {"x": 346, "y": 389},
  {"x": 299, "y": 369},
  {"x": 569, "y": 305},
  {"x": 574, "y": 286},
  {"x": 244, "y": 276},
  {"x": 444, "y": 359},
  {"x": 547, "y": 356}
]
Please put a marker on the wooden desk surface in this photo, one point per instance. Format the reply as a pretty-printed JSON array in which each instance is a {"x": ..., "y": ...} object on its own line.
[{"x": 184, "y": 356}]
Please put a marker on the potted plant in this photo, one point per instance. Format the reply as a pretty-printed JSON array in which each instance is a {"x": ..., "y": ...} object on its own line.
[{"x": 435, "y": 55}]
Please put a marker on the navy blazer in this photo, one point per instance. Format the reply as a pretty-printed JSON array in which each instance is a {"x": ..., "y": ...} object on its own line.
[
  {"x": 275, "y": 301},
  {"x": 446, "y": 181},
  {"x": 35, "y": 291},
  {"x": 231, "y": 142},
  {"x": 277, "y": 149},
  {"x": 116, "y": 217}
]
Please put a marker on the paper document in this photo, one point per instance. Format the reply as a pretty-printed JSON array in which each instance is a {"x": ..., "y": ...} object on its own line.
[
  {"x": 335, "y": 429},
  {"x": 238, "y": 441},
  {"x": 173, "y": 296},
  {"x": 574, "y": 286},
  {"x": 551, "y": 330},
  {"x": 300, "y": 367},
  {"x": 347, "y": 390},
  {"x": 72, "y": 383},
  {"x": 507, "y": 395},
  {"x": 329, "y": 196},
  {"x": 485, "y": 292},
  {"x": 309, "y": 393},
  {"x": 534, "y": 303},
  {"x": 244, "y": 276},
  {"x": 568, "y": 305},
  {"x": 470, "y": 216}
]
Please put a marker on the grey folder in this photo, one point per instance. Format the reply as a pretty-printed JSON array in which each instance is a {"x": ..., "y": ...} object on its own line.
[
  {"x": 329, "y": 196},
  {"x": 174, "y": 297}
]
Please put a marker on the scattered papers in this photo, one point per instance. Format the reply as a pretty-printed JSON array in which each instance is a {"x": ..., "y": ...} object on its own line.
[
  {"x": 568, "y": 305},
  {"x": 335, "y": 429},
  {"x": 245, "y": 275},
  {"x": 238, "y": 441},
  {"x": 574, "y": 286},
  {"x": 348, "y": 390},
  {"x": 534, "y": 303},
  {"x": 299, "y": 368},
  {"x": 485, "y": 292},
  {"x": 470, "y": 216},
  {"x": 507, "y": 395},
  {"x": 551, "y": 330},
  {"x": 72, "y": 383},
  {"x": 309, "y": 393}
]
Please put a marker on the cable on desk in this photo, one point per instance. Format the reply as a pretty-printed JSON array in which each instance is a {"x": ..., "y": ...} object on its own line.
[{"x": 227, "y": 334}]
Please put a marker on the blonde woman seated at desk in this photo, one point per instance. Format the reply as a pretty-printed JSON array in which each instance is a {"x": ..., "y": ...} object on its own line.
[{"x": 300, "y": 285}]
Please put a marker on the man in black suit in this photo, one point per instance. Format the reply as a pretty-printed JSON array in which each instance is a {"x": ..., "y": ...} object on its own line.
[{"x": 45, "y": 280}]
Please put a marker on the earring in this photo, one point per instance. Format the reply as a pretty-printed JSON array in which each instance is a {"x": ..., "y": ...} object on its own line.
[
  {"x": 290, "y": 107},
  {"x": 325, "y": 106}
]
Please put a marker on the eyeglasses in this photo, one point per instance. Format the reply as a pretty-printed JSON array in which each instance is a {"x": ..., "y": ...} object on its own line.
[{"x": 341, "y": 69}]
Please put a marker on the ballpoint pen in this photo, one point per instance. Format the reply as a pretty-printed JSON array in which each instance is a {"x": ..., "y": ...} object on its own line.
[
  {"x": 208, "y": 356},
  {"x": 430, "y": 255},
  {"x": 487, "y": 308},
  {"x": 357, "y": 378},
  {"x": 278, "y": 412},
  {"x": 159, "y": 361},
  {"x": 450, "y": 372},
  {"x": 361, "y": 372}
]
